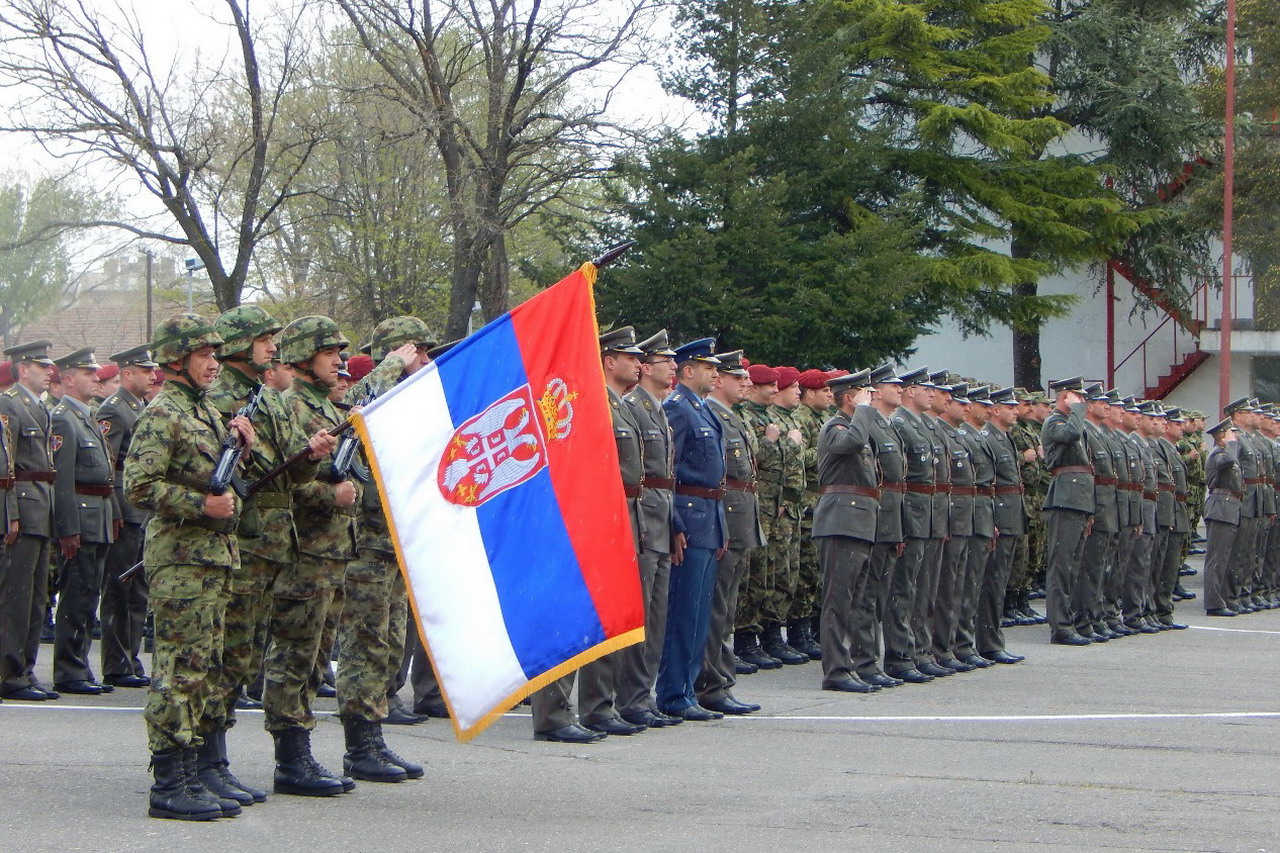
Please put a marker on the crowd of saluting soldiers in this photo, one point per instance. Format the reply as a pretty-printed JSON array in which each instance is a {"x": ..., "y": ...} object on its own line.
[{"x": 889, "y": 524}]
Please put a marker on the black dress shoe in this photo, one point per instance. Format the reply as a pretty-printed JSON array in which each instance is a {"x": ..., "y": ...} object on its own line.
[
  {"x": 731, "y": 706},
  {"x": 1141, "y": 628},
  {"x": 695, "y": 714},
  {"x": 1119, "y": 629},
  {"x": 48, "y": 694},
  {"x": 1071, "y": 640},
  {"x": 1003, "y": 657},
  {"x": 1091, "y": 635},
  {"x": 1174, "y": 626},
  {"x": 957, "y": 665},
  {"x": 912, "y": 676},
  {"x": 852, "y": 685},
  {"x": 129, "y": 680},
  {"x": 398, "y": 716},
  {"x": 742, "y": 667},
  {"x": 615, "y": 726},
  {"x": 80, "y": 688},
  {"x": 1221, "y": 611},
  {"x": 760, "y": 660},
  {"x": 572, "y": 733},
  {"x": 977, "y": 661},
  {"x": 660, "y": 720},
  {"x": 879, "y": 679},
  {"x": 25, "y": 694},
  {"x": 438, "y": 710},
  {"x": 931, "y": 668}
]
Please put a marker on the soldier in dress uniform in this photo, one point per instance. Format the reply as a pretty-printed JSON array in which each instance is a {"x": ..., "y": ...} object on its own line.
[
  {"x": 1011, "y": 523},
  {"x": 24, "y": 591},
  {"x": 950, "y": 404},
  {"x": 1153, "y": 418},
  {"x": 86, "y": 517},
  {"x": 1069, "y": 505},
  {"x": 1129, "y": 477},
  {"x": 845, "y": 524},
  {"x": 1166, "y": 573},
  {"x": 1137, "y": 588},
  {"x": 974, "y": 435},
  {"x": 1225, "y": 490},
  {"x": 1266, "y": 481},
  {"x": 928, "y": 605},
  {"x": 742, "y": 527},
  {"x": 553, "y": 716},
  {"x": 802, "y": 629},
  {"x": 638, "y": 664},
  {"x": 1244, "y": 548},
  {"x": 123, "y": 610},
  {"x": 1101, "y": 545},
  {"x": 698, "y": 440},
  {"x": 8, "y": 494},
  {"x": 190, "y": 554}
]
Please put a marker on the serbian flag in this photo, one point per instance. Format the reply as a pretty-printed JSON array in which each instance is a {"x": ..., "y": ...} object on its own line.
[{"x": 499, "y": 477}]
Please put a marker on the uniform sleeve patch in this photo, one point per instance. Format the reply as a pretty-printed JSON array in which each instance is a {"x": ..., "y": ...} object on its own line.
[
  {"x": 104, "y": 427},
  {"x": 149, "y": 460},
  {"x": 55, "y": 442}
]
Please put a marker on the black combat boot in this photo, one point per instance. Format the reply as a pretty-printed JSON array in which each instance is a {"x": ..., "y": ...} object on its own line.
[
  {"x": 210, "y": 770},
  {"x": 297, "y": 771},
  {"x": 800, "y": 638},
  {"x": 230, "y": 807},
  {"x": 220, "y": 739},
  {"x": 364, "y": 758},
  {"x": 171, "y": 797},
  {"x": 773, "y": 644},
  {"x": 412, "y": 770},
  {"x": 1024, "y": 605},
  {"x": 747, "y": 648},
  {"x": 1010, "y": 616}
]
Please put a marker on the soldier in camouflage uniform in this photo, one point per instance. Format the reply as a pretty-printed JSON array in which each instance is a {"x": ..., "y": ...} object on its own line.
[
  {"x": 1189, "y": 447},
  {"x": 266, "y": 535},
  {"x": 758, "y": 582},
  {"x": 371, "y": 633},
  {"x": 190, "y": 554},
  {"x": 1035, "y": 479},
  {"x": 784, "y": 541},
  {"x": 325, "y": 512},
  {"x": 811, "y": 414}
]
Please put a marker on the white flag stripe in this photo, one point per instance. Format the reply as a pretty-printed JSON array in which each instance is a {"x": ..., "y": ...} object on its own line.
[{"x": 469, "y": 641}]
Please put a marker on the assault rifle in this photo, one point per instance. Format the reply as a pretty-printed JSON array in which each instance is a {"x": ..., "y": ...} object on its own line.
[{"x": 224, "y": 473}]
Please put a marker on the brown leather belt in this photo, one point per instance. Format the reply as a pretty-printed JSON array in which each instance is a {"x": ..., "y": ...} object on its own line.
[
  {"x": 1150, "y": 496},
  {"x": 900, "y": 488},
  {"x": 921, "y": 488},
  {"x": 699, "y": 492},
  {"x": 942, "y": 488},
  {"x": 1248, "y": 481},
  {"x": 964, "y": 491},
  {"x": 6, "y": 483},
  {"x": 36, "y": 476},
  {"x": 658, "y": 483},
  {"x": 1129, "y": 487},
  {"x": 1165, "y": 487},
  {"x": 865, "y": 491},
  {"x": 1010, "y": 490},
  {"x": 741, "y": 485},
  {"x": 988, "y": 491},
  {"x": 1180, "y": 498},
  {"x": 1227, "y": 493},
  {"x": 630, "y": 490},
  {"x": 1106, "y": 481},
  {"x": 1072, "y": 469},
  {"x": 95, "y": 491}
]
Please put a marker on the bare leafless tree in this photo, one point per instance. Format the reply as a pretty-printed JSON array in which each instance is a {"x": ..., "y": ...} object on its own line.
[
  {"x": 200, "y": 137},
  {"x": 515, "y": 97}
]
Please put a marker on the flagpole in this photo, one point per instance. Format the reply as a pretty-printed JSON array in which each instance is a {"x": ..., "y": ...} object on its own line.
[{"x": 1228, "y": 205}]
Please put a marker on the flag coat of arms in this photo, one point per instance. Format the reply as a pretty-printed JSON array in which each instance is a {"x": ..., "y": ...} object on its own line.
[{"x": 499, "y": 477}]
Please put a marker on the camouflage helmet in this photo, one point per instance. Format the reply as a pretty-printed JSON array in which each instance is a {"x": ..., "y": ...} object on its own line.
[
  {"x": 176, "y": 337},
  {"x": 306, "y": 336},
  {"x": 400, "y": 330},
  {"x": 241, "y": 326}
]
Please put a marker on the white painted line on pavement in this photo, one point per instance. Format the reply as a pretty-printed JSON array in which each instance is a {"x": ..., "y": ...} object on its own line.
[
  {"x": 1017, "y": 718},
  {"x": 1233, "y": 630}
]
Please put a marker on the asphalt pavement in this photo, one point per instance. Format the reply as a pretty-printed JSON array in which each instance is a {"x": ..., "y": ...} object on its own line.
[{"x": 1160, "y": 742}]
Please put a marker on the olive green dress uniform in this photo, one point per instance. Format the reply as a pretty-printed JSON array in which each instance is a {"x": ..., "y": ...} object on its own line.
[
  {"x": 1101, "y": 544},
  {"x": 123, "y": 611},
  {"x": 1137, "y": 590},
  {"x": 552, "y": 708},
  {"x": 1129, "y": 484},
  {"x": 744, "y": 535},
  {"x": 981, "y": 542},
  {"x": 189, "y": 560},
  {"x": 1069, "y": 504},
  {"x": 900, "y": 650},
  {"x": 1166, "y": 572},
  {"x": 1161, "y": 453},
  {"x": 1271, "y": 548},
  {"x": 1265, "y": 448},
  {"x": 638, "y": 664},
  {"x": 1011, "y": 523},
  {"x": 84, "y": 506},
  {"x": 867, "y": 625},
  {"x": 266, "y": 535},
  {"x": 927, "y": 601},
  {"x": 956, "y": 549},
  {"x": 24, "y": 586},
  {"x": 303, "y": 594},
  {"x": 1225, "y": 489},
  {"x": 1244, "y": 549},
  {"x": 844, "y": 523}
]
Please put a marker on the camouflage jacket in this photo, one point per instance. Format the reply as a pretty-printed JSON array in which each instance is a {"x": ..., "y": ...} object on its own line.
[
  {"x": 175, "y": 448},
  {"x": 810, "y": 422},
  {"x": 374, "y": 532},
  {"x": 266, "y": 524},
  {"x": 795, "y": 458},
  {"x": 769, "y": 458},
  {"x": 325, "y": 529}
]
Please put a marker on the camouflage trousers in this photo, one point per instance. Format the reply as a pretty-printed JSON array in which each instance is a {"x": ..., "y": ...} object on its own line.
[
  {"x": 807, "y": 597},
  {"x": 300, "y": 602},
  {"x": 248, "y": 606},
  {"x": 188, "y": 604},
  {"x": 370, "y": 634},
  {"x": 769, "y": 585},
  {"x": 1028, "y": 552}
]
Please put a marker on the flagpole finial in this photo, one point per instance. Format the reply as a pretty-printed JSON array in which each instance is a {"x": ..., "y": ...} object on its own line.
[{"x": 613, "y": 254}]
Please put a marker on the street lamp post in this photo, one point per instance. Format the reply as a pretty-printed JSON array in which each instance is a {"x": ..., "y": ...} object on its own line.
[{"x": 194, "y": 265}]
